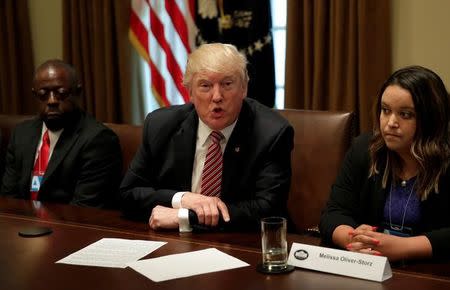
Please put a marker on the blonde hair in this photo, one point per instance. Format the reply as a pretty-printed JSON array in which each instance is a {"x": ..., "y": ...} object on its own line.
[{"x": 218, "y": 58}]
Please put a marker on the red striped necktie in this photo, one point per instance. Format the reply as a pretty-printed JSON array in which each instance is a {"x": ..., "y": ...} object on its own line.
[
  {"x": 41, "y": 162},
  {"x": 212, "y": 170}
]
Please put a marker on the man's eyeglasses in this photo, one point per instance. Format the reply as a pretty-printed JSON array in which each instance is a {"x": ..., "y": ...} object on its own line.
[{"x": 59, "y": 93}]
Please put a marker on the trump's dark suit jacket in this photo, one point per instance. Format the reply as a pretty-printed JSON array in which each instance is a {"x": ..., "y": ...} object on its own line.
[
  {"x": 256, "y": 164},
  {"x": 84, "y": 168}
]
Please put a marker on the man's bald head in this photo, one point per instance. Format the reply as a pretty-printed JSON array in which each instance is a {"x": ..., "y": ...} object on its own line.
[{"x": 57, "y": 63}]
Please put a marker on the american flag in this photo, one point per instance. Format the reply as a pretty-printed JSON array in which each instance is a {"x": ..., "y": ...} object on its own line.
[{"x": 163, "y": 32}]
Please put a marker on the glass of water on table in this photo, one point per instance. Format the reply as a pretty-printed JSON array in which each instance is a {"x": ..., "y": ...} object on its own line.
[{"x": 274, "y": 246}]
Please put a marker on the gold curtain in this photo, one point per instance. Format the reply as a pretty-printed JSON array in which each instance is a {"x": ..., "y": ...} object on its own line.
[
  {"x": 96, "y": 43},
  {"x": 338, "y": 54},
  {"x": 16, "y": 59}
]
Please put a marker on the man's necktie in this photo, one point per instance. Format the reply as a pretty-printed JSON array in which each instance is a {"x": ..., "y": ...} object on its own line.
[
  {"x": 212, "y": 170},
  {"x": 41, "y": 162}
]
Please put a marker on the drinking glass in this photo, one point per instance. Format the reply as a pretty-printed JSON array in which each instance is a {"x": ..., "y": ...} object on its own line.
[{"x": 274, "y": 244}]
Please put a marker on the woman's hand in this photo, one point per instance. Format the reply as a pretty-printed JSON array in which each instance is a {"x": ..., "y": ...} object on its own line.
[
  {"x": 395, "y": 248},
  {"x": 356, "y": 240}
]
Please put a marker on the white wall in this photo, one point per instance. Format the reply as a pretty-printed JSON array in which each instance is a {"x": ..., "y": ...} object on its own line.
[
  {"x": 421, "y": 35},
  {"x": 46, "y": 29}
]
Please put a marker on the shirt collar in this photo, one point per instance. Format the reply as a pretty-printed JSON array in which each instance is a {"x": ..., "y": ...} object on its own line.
[
  {"x": 53, "y": 135},
  {"x": 204, "y": 131}
]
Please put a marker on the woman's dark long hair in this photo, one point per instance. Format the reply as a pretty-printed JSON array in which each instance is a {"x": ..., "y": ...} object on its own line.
[{"x": 430, "y": 146}]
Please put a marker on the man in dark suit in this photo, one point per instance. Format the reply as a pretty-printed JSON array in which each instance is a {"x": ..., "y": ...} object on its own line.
[
  {"x": 168, "y": 182},
  {"x": 82, "y": 157}
]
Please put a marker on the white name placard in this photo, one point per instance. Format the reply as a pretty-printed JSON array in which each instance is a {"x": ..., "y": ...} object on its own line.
[{"x": 363, "y": 266}]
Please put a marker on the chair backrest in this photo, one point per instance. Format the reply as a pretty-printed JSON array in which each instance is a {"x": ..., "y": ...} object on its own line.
[
  {"x": 320, "y": 143},
  {"x": 7, "y": 125},
  {"x": 130, "y": 137}
]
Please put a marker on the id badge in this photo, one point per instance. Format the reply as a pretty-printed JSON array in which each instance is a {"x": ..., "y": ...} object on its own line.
[
  {"x": 36, "y": 181},
  {"x": 405, "y": 232},
  {"x": 396, "y": 233}
]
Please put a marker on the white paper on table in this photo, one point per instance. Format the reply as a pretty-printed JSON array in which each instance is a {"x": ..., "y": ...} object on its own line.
[
  {"x": 114, "y": 253},
  {"x": 186, "y": 264}
]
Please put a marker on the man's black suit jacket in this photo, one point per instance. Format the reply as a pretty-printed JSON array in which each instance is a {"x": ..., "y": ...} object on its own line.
[
  {"x": 84, "y": 169},
  {"x": 256, "y": 164}
]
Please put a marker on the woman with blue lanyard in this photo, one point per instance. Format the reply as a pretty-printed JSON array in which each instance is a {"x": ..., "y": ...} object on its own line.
[{"x": 392, "y": 195}]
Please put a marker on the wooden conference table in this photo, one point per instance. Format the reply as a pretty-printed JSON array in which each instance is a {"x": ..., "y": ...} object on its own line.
[{"x": 29, "y": 263}]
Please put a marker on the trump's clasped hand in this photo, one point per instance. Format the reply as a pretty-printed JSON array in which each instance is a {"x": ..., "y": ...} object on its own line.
[{"x": 208, "y": 210}]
